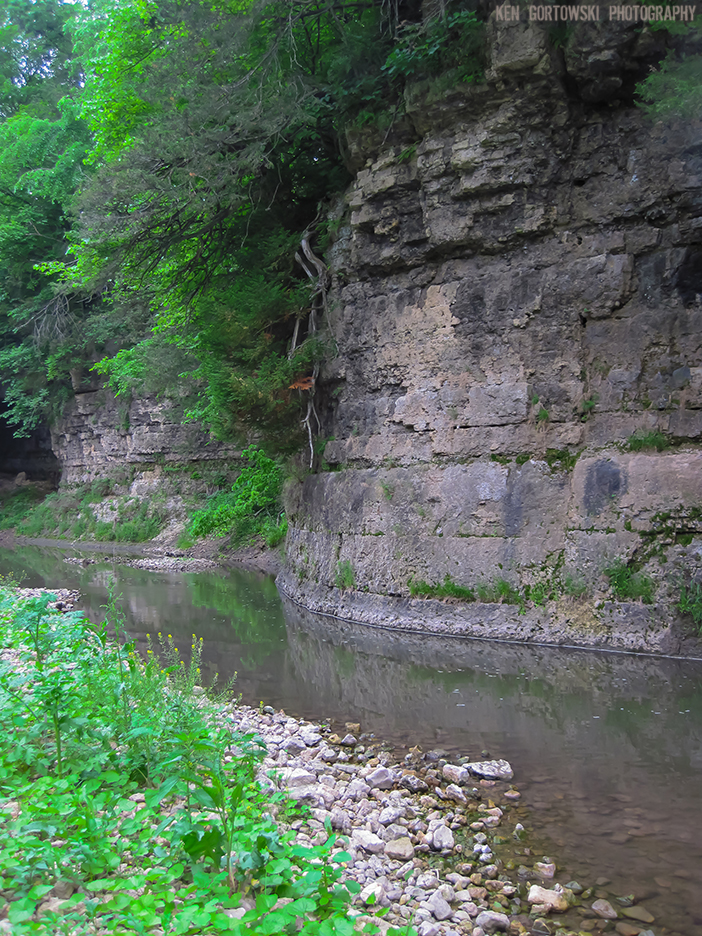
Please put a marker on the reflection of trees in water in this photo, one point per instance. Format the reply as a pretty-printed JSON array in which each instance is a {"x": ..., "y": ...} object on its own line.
[{"x": 251, "y": 608}]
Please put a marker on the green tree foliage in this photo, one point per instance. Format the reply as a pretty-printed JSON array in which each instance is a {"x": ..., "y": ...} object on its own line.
[
  {"x": 43, "y": 142},
  {"x": 204, "y": 144}
]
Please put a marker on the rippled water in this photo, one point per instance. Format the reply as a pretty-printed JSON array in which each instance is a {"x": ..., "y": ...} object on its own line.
[{"x": 606, "y": 748}]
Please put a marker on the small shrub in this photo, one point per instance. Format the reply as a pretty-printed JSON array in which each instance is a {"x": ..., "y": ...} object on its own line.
[
  {"x": 629, "y": 585},
  {"x": 691, "y": 602},
  {"x": 539, "y": 593},
  {"x": 542, "y": 416},
  {"x": 499, "y": 592},
  {"x": 446, "y": 589},
  {"x": 642, "y": 441},
  {"x": 345, "y": 576},
  {"x": 17, "y": 506},
  {"x": 252, "y": 508},
  {"x": 522, "y": 458}
]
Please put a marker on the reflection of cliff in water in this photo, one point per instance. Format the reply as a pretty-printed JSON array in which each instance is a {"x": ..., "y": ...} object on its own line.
[{"x": 607, "y": 748}]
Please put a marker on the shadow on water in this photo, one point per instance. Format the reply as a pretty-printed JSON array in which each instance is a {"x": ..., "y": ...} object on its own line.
[{"x": 607, "y": 748}]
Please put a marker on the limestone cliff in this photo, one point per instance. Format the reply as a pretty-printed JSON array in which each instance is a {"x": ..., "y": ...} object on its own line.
[
  {"x": 100, "y": 433},
  {"x": 516, "y": 294}
]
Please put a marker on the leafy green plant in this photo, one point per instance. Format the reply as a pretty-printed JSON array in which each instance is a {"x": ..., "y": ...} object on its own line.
[
  {"x": 642, "y": 441},
  {"x": 446, "y": 589},
  {"x": 523, "y": 458},
  {"x": 17, "y": 505},
  {"x": 252, "y": 508},
  {"x": 345, "y": 576},
  {"x": 454, "y": 41},
  {"x": 173, "y": 846},
  {"x": 628, "y": 584},
  {"x": 561, "y": 459}
]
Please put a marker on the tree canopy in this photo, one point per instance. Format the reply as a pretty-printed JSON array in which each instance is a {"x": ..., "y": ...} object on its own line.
[{"x": 164, "y": 167}]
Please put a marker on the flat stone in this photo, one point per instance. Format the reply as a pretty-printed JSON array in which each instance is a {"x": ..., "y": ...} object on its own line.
[
  {"x": 603, "y": 908},
  {"x": 554, "y": 900},
  {"x": 491, "y": 770},
  {"x": 638, "y": 913},
  {"x": 442, "y": 838},
  {"x": 400, "y": 849},
  {"x": 627, "y": 929},
  {"x": 490, "y": 921}
]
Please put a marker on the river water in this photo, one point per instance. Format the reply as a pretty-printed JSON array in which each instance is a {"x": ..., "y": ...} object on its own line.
[{"x": 606, "y": 748}]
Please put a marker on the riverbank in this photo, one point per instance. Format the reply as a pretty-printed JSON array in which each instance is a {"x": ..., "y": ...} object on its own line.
[
  {"x": 157, "y": 555},
  {"x": 433, "y": 839},
  {"x": 624, "y": 626}
]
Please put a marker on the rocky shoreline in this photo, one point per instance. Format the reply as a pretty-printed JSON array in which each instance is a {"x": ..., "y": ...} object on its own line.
[{"x": 436, "y": 842}]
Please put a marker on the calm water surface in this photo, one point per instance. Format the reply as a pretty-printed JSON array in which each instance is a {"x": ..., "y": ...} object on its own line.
[{"x": 606, "y": 748}]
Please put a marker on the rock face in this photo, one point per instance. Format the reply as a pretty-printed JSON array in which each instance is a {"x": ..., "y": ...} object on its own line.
[
  {"x": 98, "y": 433},
  {"x": 513, "y": 301}
]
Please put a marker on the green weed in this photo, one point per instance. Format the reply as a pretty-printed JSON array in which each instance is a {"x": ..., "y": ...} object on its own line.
[
  {"x": 17, "y": 506},
  {"x": 345, "y": 576},
  {"x": 691, "y": 602},
  {"x": 561, "y": 459},
  {"x": 629, "y": 585},
  {"x": 575, "y": 586},
  {"x": 499, "y": 591},
  {"x": 388, "y": 489},
  {"x": 446, "y": 589},
  {"x": 643, "y": 441}
]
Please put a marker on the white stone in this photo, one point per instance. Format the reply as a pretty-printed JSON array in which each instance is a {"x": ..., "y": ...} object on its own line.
[
  {"x": 455, "y": 793},
  {"x": 455, "y": 774},
  {"x": 554, "y": 900},
  {"x": 442, "y": 838},
  {"x": 604, "y": 909},
  {"x": 310, "y": 735},
  {"x": 368, "y": 841},
  {"x": 380, "y": 779},
  {"x": 400, "y": 849},
  {"x": 492, "y": 770},
  {"x": 373, "y": 893},
  {"x": 298, "y": 776},
  {"x": 545, "y": 869},
  {"x": 391, "y": 814}
]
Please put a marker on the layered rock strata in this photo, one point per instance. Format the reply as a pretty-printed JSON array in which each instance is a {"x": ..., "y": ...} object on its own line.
[
  {"x": 100, "y": 433},
  {"x": 517, "y": 395}
]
